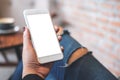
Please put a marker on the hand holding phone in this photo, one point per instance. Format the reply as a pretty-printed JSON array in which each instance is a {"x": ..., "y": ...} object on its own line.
[{"x": 43, "y": 35}]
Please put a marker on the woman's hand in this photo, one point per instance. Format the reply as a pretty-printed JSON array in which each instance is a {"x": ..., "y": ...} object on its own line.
[{"x": 30, "y": 61}]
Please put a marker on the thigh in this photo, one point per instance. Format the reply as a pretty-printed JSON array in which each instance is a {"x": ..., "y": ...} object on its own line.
[
  {"x": 88, "y": 68},
  {"x": 70, "y": 45}
]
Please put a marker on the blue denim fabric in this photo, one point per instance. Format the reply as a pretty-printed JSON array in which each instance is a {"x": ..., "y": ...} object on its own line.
[
  {"x": 57, "y": 71},
  {"x": 70, "y": 45},
  {"x": 87, "y": 68},
  {"x": 18, "y": 72}
]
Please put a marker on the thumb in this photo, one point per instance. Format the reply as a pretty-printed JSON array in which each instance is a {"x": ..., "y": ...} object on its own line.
[{"x": 26, "y": 38}]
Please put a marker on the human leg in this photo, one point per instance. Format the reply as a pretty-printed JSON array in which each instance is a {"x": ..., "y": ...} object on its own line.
[
  {"x": 18, "y": 72},
  {"x": 88, "y": 68},
  {"x": 70, "y": 47}
]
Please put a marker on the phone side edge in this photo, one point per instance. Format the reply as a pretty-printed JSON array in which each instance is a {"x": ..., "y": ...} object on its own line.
[{"x": 52, "y": 58}]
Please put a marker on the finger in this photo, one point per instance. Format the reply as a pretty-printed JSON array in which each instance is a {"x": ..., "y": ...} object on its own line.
[
  {"x": 60, "y": 30},
  {"x": 56, "y": 28},
  {"x": 26, "y": 38},
  {"x": 59, "y": 38},
  {"x": 62, "y": 48},
  {"x": 28, "y": 32}
]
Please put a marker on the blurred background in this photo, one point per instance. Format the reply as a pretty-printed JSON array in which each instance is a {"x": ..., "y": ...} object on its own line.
[{"x": 94, "y": 23}]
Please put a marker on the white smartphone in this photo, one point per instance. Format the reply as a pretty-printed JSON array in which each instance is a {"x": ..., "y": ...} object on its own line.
[{"x": 43, "y": 35}]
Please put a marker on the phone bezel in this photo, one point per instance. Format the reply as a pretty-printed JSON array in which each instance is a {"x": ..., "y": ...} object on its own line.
[{"x": 44, "y": 59}]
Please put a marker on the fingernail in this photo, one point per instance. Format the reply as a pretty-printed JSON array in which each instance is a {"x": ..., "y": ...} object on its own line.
[
  {"x": 25, "y": 31},
  {"x": 23, "y": 28},
  {"x": 62, "y": 48}
]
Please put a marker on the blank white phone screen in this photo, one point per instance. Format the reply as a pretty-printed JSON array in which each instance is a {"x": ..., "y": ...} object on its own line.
[{"x": 43, "y": 35}]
